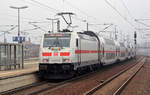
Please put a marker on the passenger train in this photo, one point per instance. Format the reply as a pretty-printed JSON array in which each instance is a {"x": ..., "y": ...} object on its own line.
[{"x": 64, "y": 54}]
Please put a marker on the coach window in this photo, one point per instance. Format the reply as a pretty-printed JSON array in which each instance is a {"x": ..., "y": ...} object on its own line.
[
  {"x": 77, "y": 43},
  {"x": 103, "y": 51}
]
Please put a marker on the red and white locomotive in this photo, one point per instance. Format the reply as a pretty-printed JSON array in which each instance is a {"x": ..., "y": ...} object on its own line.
[{"x": 64, "y": 54}]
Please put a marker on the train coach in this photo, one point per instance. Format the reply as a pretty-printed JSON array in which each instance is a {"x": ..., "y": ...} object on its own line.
[
  {"x": 108, "y": 51},
  {"x": 64, "y": 54},
  {"x": 123, "y": 51}
]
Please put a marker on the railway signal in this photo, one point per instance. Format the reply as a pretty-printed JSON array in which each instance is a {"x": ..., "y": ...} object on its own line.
[{"x": 135, "y": 36}]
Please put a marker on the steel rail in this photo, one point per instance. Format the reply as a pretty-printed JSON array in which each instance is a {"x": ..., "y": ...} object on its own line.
[
  {"x": 63, "y": 83},
  {"x": 20, "y": 88},
  {"x": 74, "y": 79},
  {"x": 44, "y": 82},
  {"x": 15, "y": 76},
  {"x": 120, "y": 89},
  {"x": 90, "y": 92},
  {"x": 13, "y": 91}
]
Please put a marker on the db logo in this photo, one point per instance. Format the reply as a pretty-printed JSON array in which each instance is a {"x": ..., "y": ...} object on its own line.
[{"x": 55, "y": 54}]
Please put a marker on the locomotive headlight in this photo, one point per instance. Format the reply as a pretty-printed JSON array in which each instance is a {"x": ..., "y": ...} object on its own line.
[
  {"x": 45, "y": 60},
  {"x": 59, "y": 49},
  {"x": 52, "y": 48},
  {"x": 66, "y": 60}
]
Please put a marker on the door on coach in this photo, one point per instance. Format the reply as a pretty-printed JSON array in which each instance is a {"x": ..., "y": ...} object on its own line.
[{"x": 78, "y": 51}]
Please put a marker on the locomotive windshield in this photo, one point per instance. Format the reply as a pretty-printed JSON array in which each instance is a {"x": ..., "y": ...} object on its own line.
[{"x": 56, "y": 41}]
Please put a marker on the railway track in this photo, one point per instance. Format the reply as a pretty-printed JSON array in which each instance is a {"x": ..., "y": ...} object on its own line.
[
  {"x": 120, "y": 89},
  {"x": 40, "y": 86},
  {"x": 124, "y": 84},
  {"x": 20, "y": 75},
  {"x": 45, "y": 86},
  {"x": 17, "y": 81},
  {"x": 64, "y": 89}
]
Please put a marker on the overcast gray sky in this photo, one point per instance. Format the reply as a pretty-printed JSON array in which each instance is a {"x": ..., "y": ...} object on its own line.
[{"x": 94, "y": 11}]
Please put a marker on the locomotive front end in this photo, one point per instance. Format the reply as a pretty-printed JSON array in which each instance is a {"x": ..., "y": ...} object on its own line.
[{"x": 56, "y": 56}]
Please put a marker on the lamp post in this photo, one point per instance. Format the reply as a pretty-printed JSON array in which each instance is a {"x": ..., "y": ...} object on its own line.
[{"x": 18, "y": 8}]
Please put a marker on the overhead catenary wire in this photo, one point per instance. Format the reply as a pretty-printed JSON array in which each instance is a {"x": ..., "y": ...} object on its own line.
[
  {"x": 49, "y": 8},
  {"x": 30, "y": 29},
  {"x": 81, "y": 11},
  {"x": 12, "y": 27},
  {"x": 24, "y": 19},
  {"x": 37, "y": 5},
  {"x": 8, "y": 31},
  {"x": 123, "y": 3},
  {"x": 37, "y": 26},
  {"x": 142, "y": 19},
  {"x": 57, "y": 11},
  {"x": 79, "y": 19},
  {"x": 7, "y": 25},
  {"x": 44, "y": 5},
  {"x": 143, "y": 23},
  {"x": 124, "y": 18}
]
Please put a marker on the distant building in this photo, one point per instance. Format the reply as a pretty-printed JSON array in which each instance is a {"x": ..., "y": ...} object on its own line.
[{"x": 30, "y": 49}]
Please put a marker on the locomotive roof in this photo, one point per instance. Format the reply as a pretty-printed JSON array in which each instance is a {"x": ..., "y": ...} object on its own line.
[
  {"x": 122, "y": 44},
  {"x": 107, "y": 41},
  {"x": 87, "y": 37}
]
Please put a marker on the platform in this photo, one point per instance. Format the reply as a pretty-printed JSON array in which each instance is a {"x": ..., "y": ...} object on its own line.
[{"x": 30, "y": 66}]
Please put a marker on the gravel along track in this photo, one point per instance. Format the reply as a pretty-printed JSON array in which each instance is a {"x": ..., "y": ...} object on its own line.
[
  {"x": 10, "y": 83},
  {"x": 36, "y": 88},
  {"x": 114, "y": 86},
  {"x": 81, "y": 85},
  {"x": 140, "y": 84}
]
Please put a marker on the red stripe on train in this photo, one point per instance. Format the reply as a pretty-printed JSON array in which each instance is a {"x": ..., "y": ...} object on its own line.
[
  {"x": 64, "y": 54},
  {"x": 46, "y": 54},
  {"x": 93, "y": 51},
  {"x": 85, "y": 51}
]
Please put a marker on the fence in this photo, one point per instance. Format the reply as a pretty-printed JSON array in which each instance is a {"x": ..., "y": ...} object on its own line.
[{"x": 11, "y": 56}]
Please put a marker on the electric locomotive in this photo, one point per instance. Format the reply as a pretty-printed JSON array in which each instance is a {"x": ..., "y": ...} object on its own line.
[{"x": 65, "y": 54}]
